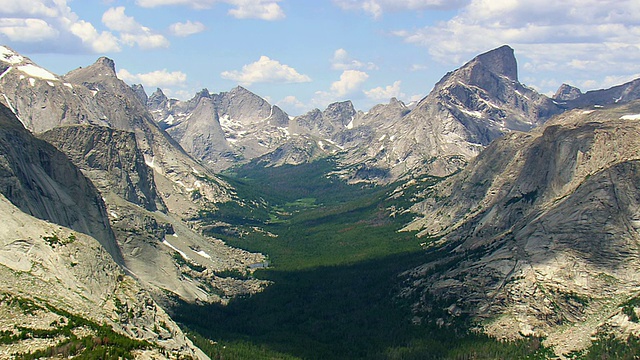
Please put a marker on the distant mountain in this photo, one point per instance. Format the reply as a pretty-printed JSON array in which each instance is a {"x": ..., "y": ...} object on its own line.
[
  {"x": 224, "y": 129},
  {"x": 539, "y": 233},
  {"x": 618, "y": 94}
]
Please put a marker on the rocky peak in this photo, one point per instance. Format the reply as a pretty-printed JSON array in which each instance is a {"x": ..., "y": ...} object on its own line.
[
  {"x": 157, "y": 100},
  {"x": 101, "y": 69},
  {"x": 138, "y": 89},
  {"x": 340, "y": 113},
  {"x": 104, "y": 63},
  {"x": 567, "y": 92},
  {"x": 500, "y": 61}
]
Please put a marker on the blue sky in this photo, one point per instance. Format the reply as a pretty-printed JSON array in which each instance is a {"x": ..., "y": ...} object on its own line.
[{"x": 302, "y": 54}]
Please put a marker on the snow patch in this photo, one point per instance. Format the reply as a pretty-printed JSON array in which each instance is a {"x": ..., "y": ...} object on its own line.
[
  {"x": 94, "y": 92},
  {"x": 202, "y": 253},
  {"x": 32, "y": 81},
  {"x": 37, "y": 72},
  {"x": 285, "y": 131},
  {"x": 9, "y": 56},
  {"x": 150, "y": 163},
  {"x": 7, "y": 71},
  {"x": 382, "y": 137},
  {"x": 350, "y": 124},
  {"x": 474, "y": 113},
  {"x": 68, "y": 85},
  {"x": 169, "y": 120},
  {"x": 630, "y": 117},
  {"x": 175, "y": 249},
  {"x": 50, "y": 83},
  {"x": 13, "y": 110},
  {"x": 587, "y": 112},
  {"x": 113, "y": 214}
]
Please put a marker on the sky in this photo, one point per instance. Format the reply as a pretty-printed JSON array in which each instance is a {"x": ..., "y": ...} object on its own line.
[{"x": 305, "y": 54}]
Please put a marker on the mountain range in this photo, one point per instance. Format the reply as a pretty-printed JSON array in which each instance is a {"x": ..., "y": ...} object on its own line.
[{"x": 532, "y": 208}]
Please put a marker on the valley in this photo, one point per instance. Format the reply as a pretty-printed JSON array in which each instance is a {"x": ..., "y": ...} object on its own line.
[{"x": 484, "y": 221}]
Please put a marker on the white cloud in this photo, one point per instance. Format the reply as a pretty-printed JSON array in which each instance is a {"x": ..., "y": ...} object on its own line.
[
  {"x": 27, "y": 30},
  {"x": 51, "y": 24},
  {"x": 342, "y": 61},
  {"x": 583, "y": 39},
  {"x": 349, "y": 82},
  {"x": 385, "y": 93},
  {"x": 291, "y": 102},
  {"x": 265, "y": 70},
  {"x": 242, "y": 9},
  {"x": 131, "y": 32},
  {"x": 158, "y": 78},
  {"x": 376, "y": 8},
  {"x": 256, "y": 9},
  {"x": 98, "y": 42},
  {"x": 186, "y": 28}
]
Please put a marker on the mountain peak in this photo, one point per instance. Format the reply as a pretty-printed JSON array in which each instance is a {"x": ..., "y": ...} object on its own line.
[
  {"x": 106, "y": 64},
  {"x": 501, "y": 61},
  {"x": 567, "y": 92}
]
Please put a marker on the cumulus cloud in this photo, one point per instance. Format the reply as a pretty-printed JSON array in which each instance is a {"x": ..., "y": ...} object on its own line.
[
  {"x": 291, "y": 104},
  {"x": 241, "y": 9},
  {"x": 158, "y": 78},
  {"x": 574, "y": 36},
  {"x": 265, "y": 70},
  {"x": 131, "y": 32},
  {"x": 342, "y": 61},
  {"x": 376, "y": 8},
  {"x": 53, "y": 25},
  {"x": 349, "y": 82},
  {"x": 27, "y": 30},
  {"x": 385, "y": 93},
  {"x": 187, "y": 28}
]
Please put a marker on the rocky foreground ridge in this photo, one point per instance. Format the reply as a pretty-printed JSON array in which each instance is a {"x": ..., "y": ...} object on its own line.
[
  {"x": 539, "y": 234},
  {"x": 61, "y": 275}
]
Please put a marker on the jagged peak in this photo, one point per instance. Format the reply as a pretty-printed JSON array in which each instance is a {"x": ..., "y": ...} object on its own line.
[
  {"x": 567, "y": 92},
  {"x": 107, "y": 64},
  {"x": 501, "y": 61},
  {"x": 204, "y": 93},
  {"x": 158, "y": 93}
]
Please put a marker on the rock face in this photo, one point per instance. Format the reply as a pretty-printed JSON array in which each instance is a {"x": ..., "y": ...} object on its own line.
[
  {"x": 40, "y": 180},
  {"x": 48, "y": 211},
  {"x": 113, "y": 160},
  {"x": 57, "y": 273},
  {"x": 541, "y": 228}
]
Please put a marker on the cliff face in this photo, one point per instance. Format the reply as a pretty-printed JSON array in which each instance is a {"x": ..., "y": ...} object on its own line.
[
  {"x": 542, "y": 229},
  {"x": 41, "y": 181},
  {"x": 113, "y": 159}
]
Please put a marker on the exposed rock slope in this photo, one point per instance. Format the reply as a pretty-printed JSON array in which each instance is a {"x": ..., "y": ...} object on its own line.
[
  {"x": 41, "y": 181},
  {"x": 51, "y": 275},
  {"x": 541, "y": 229}
]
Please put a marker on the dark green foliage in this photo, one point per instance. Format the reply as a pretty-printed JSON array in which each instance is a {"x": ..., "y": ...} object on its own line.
[
  {"x": 192, "y": 265},
  {"x": 609, "y": 347},
  {"x": 231, "y": 273},
  {"x": 54, "y": 240},
  {"x": 105, "y": 344}
]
